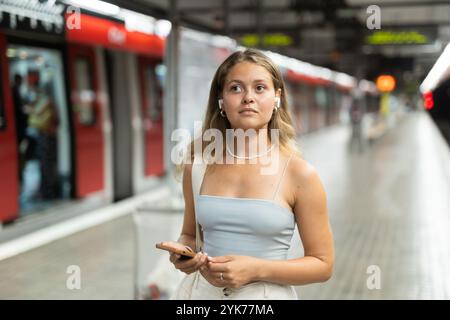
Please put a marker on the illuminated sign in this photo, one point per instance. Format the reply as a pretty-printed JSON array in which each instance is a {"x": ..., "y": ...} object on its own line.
[
  {"x": 397, "y": 37},
  {"x": 428, "y": 100},
  {"x": 270, "y": 39},
  {"x": 97, "y": 31},
  {"x": 385, "y": 83}
]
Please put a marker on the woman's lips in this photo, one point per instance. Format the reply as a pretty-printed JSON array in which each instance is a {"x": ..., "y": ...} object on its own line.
[{"x": 248, "y": 111}]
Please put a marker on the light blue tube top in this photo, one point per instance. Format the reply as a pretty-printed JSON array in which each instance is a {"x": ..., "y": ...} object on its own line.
[{"x": 244, "y": 226}]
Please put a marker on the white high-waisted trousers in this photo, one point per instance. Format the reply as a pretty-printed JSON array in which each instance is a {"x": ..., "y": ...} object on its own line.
[{"x": 201, "y": 289}]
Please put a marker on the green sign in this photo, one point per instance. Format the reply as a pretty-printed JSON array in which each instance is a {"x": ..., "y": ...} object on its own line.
[
  {"x": 396, "y": 37},
  {"x": 270, "y": 39}
]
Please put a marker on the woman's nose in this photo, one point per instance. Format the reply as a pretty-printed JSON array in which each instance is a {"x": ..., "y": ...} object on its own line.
[{"x": 248, "y": 98}]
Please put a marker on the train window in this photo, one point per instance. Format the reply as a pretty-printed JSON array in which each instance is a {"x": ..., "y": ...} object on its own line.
[
  {"x": 321, "y": 97},
  {"x": 2, "y": 107},
  {"x": 160, "y": 74},
  {"x": 153, "y": 80},
  {"x": 85, "y": 102}
]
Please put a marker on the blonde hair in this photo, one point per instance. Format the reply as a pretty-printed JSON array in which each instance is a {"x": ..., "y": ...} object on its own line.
[{"x": 213, "y": 120}]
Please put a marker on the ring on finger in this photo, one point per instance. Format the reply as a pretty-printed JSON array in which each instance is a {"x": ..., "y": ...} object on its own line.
[{"x": 221, "y": 276}]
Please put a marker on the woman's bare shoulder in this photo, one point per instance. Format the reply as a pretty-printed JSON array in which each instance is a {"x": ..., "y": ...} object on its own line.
[
  {"x": 301, "y": 170},
  {"x": 309, "y": 195},
  {"x": 304, "y": 180}
]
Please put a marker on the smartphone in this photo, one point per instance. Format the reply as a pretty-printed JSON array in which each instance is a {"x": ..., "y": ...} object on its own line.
[{"x": 186, "y": 253}]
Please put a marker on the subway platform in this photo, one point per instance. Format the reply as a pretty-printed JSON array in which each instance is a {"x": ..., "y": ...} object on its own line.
[{"x": 389, "y": 208}]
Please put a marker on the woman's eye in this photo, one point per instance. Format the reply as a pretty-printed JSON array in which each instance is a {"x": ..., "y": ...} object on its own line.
[
  {"x": 260, "y": 88},
  {"x": 235, "y": 89}
]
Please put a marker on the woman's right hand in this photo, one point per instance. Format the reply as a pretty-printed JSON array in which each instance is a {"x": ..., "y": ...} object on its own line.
[{"x": 188, "y": 265}]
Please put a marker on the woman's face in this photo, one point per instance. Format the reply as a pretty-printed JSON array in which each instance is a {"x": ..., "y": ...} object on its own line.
[{"x": 249, "y": 96}]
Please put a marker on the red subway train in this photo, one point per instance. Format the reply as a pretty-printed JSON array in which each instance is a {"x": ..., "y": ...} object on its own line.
[{"x": 72, "y": 100}]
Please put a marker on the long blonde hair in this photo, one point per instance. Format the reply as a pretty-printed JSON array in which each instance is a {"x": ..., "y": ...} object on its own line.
[{"x": 213, "y": 120}]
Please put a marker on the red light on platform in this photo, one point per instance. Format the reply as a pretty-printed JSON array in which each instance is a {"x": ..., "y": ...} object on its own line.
[
  {"x": 386, "y": 83},
  {"x": 428, "y": 100}
]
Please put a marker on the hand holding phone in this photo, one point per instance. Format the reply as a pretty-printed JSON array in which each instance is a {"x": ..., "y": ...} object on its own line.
[{"x": 185, "y": 252}]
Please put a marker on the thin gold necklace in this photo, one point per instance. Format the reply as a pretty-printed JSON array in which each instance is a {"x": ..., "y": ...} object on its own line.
[{"x": 250, "y": 157}]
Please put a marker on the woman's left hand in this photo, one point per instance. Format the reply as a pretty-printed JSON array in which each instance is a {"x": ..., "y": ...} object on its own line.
[{"x": 230, "y": 271}]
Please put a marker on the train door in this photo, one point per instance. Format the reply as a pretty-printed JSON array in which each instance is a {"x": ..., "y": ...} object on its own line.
[
  {"x": 87, "y": 119},
  {"x": 313, "y": 108},
  {"x": 135, "y": 88},
  {"x": 304, "y": 108},
  {"x": 42, "y": 126},
  {"x": 151, "y": 77},
  {"x": 9, "y": 186},
  {"x": 120, "y": 85},
  {"x": 121, "y": 48},
  {"x": 322, "y": 102},
  {"x": 295, "y": 103}
]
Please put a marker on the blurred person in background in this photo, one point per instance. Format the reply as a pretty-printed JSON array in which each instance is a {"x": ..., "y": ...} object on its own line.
[
  {"x": 44, "y": 119},
  {"x": 21, "y": 116},
  {"x": 356, "y": 120}
]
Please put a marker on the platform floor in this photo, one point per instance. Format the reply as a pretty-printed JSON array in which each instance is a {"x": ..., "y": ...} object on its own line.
[{"x": 389, "y": 208}]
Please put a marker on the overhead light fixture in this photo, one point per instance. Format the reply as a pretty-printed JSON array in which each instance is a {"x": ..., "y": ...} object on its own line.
[
  {"x": 97, "y": 6},
  {"x": 438, "y": 72},
  {"x": 137, "y": 22},
  {"x": 163, "y": 27}
]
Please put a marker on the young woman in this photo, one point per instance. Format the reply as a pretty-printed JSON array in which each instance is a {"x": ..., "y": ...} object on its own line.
[{"x": 247, "y": 216}]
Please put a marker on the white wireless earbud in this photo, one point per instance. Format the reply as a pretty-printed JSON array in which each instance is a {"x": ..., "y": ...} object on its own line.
[
  {"x": 222, "y": 113},
  {"x": 277, "y": 102}
]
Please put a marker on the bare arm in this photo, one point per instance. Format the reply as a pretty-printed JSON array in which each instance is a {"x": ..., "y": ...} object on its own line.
[{"x": 187, "y": 236}]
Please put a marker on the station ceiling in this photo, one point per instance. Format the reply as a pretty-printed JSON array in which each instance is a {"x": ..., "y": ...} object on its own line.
[{"x": 405, "y": 34}]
